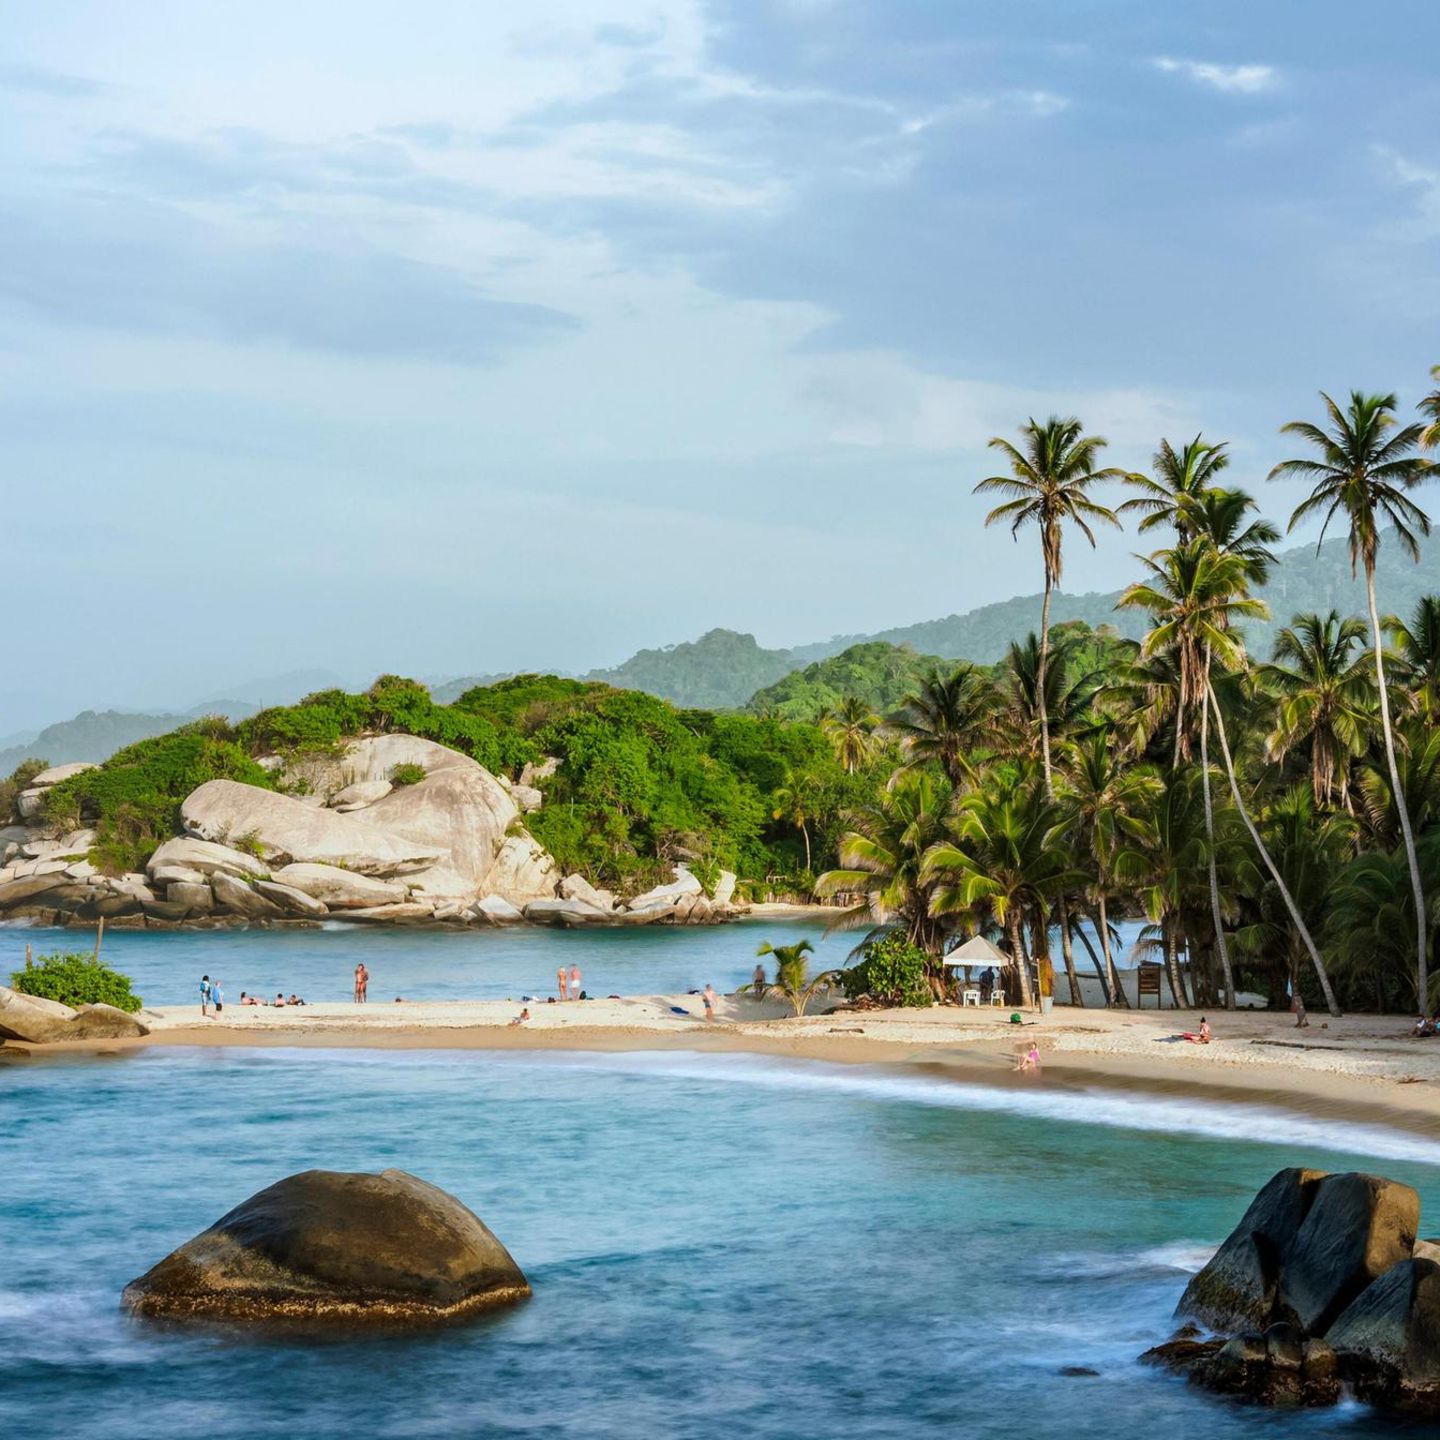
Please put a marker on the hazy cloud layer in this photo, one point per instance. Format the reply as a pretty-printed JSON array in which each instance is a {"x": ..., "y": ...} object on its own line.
[{"x": 518, "y": 339}]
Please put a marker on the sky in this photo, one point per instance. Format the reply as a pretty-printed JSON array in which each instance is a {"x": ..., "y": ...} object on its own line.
[{"x": 454, "y": 338}]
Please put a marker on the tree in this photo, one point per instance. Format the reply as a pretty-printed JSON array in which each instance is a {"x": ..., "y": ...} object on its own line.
[
  {"x": 1417, "y": 657},
  {"x": 1323, "y": 691},
  {"x": 1007, "y": 859},
  {"x": 1365, "y": 465},
  {"x": 793, "y": 981},
  {"x": 794, "y": 803},
  {"x": 1049, "y": 478},
  {"x": 882, "y": 857},
  {"x": 1430, "y": 406},
  {"x": 1180, "y": 480},
  {"x": 1106, "y": 800},
  {"x": 1064, "y": 702},
  {"x": 851, "y": 731},
  {"x": 946, "y": 720}
]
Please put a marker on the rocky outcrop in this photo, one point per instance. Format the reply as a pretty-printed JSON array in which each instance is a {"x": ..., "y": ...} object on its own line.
[
  {"x": 205, "y": 857},
  {"x": 291, "y": 900},
  {"x": 330, "y": 1247},
  {"x": 286, "y": 830},
  {"x": 38, "y": 1021},
  {"x": 338, "y": 889},
  {"x": 569, "y": 913},
  {"x": 361, "y": 794},
  {"x": 497, "y": 910},
  {"x": 240, "y": 899},
  {"x": 577, "y": 887},
  {"x": 523, "y": 870},
  {"x": 1321, "y": 1281}
]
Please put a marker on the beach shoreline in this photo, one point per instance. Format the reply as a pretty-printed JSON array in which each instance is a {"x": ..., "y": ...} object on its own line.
[{"x": 1356, "y": 1069}]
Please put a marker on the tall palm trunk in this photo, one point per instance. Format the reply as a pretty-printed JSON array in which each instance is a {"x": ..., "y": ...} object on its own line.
[
  {"x": 1117, "y": 990},
  {"x": 1040, "y": 684},
  {"x": 1017, "y": 952},
  {"x": 1172, "y": 965},
  {"x": 1284, "y": 889},
  {"x": 1069, "y": 954},
  {"x": 1100, "y": 974},
  {"x": 1422, "y": 958},
  {"x": 1221, "y": 944}
]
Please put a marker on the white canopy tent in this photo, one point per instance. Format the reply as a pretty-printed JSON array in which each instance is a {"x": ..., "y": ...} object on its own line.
[{"x": 977, "y": 950}]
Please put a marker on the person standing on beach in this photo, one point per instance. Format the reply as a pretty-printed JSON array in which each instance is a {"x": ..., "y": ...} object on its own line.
[
  {"x": 562, "y": 983},
  {"x": 362, "y": 982},
  {"x": 758, "y": 979},
  {"x": 574, "y": 982},
  {"x": 709, "y": 998},
  {"x": 204, "y": 997},
  {"x": 217, "y": 995}
]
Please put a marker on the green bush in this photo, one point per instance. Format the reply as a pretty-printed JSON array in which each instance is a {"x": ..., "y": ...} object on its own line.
[
  {"x": 406, "y": 774},
  {"x": 74, "y": 980},
  {"x": 20, "y": 778},
  {"x": 892, "y": 972}
]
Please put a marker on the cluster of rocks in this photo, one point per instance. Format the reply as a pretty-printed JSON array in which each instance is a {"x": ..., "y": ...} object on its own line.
[
  {"x": 326, "y": 1247},
  {"x": 42, "y": 1022},
  {"x": 1322, "y": 1285},
  {"x": 339, "y": 839}
]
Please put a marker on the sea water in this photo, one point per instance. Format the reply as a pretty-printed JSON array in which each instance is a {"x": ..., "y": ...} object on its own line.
[
  {"x": 436, "y": 963},
  {"x": 720, "y": 1246}
]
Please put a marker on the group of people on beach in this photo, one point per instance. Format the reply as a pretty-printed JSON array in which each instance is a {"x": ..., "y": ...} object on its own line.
[
  {"x": 568, "y": 984},
  {"x": 212, "y": 998}
]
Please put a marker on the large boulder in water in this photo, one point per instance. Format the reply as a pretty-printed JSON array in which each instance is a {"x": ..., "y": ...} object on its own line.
[
  {"x": 38, "y": 1021},
  {"x": 328, "y": 1246},
  {"x": 1238, "y": 1288},
  {"x": 1388, "y": 1339},
  {"x": 1357, "y": 1227}
]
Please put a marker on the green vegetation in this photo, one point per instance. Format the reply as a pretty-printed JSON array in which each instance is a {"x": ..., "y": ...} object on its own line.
[
  {"x": 20, "y": 778},
  {"x": 75, "y": 980},
  {"x": 407, "y": 774},
  {"x": 890, "y": 970},
  {"x": 877, "y": 674},
  {"x": 134, "y": 799},
  {"x": 793, "y": 982},
  {"x": 717, "y": 671}
]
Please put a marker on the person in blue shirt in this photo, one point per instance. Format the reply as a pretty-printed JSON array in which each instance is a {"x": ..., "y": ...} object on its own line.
[
  {"x": 205, "y": 996},
  {"x": 217, "y": 995}
]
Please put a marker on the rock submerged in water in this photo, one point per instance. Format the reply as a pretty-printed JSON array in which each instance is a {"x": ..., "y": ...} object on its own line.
[
  {"x": 1326, "y": 1285},
  {"x": 335, "y": 1247}
]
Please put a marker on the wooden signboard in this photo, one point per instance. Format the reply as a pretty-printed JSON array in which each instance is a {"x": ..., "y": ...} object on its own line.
[{"x": 1147, "y": 982}]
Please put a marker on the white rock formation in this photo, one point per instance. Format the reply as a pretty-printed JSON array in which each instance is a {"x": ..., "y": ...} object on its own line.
[
  {"x": 286, "y": 830},
  {"x": 236, "y": 896},
  {"x": 577, "y": 887},
  {"x": 666, "y": 896},
  {"x": 206, "y": 858},
  {"x": 523, "y": 870},
  {"x": 341, "y": 889},
  {"x": 360, "y": 794},
  {"x": 291, "y": 900},
  {"x": 497, "y": 910}
]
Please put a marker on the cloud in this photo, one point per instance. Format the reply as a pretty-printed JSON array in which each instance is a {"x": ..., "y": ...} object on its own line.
[
  {"x": 1228, "y": 79},
  {"x": 153, "y": 270},
  {"x": 35, "y": 80}
]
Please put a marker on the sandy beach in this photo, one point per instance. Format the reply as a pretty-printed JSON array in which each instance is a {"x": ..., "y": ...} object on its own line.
[{"x": 1361, "y": 1067}]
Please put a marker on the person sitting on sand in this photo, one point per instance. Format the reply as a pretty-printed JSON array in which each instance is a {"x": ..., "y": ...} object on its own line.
[
  {"x": 1423, "y": 1027},
  {"x": 295, "y": 1000},
  {"x": 1198, "y": 1037},
  {"x": 1029, "y": 1058},
  {"x": 249, "y": 999},
  {"x": 521, "y": 1018}
]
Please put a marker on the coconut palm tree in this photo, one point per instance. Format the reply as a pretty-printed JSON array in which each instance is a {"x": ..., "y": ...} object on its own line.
[
  {"x": 794, "y": 803},
  {"x": 1061, "y": 706},
  {"x": 946, "y": 720},
  {"x": 1106, "y": 801},
  {"x": 793, "y": 981},
  {"x": 1430, "y": 406},
  {"x": 1365, "y": 465},
  {"x": 1323, "y": 691},
  {"x": 850, "y": 728},
  {"x": 1007, "y": 859},
  {"x": 882, "y": 857},
  {"x": 1050, "y": 476},
  {"x": 1417, "y": 652},
  {"x": 1223, "y": 517},
  {"x": 1179, "y": 481}
]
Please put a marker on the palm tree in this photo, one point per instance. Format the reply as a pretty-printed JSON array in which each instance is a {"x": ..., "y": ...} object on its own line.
[
  {"x": 1417, "y": 644},
  {"x": 1223, "y": 517},
  {"x": 1063, "y": 703},
  {"x": 1323, "y": 691},
  {"x": 1366, "y": 463},
  {"x": 1047, "y": 485},
  {"x": 1008, "y": 859},
  {"x": 1179, "y": 482},
  {"x": 1430, "y": 406},
  {"x": 882, "y": 857},
  {"x": 850, "y": 729},
  {"x": 1105, "y": 799},
  {"x": 794, "y": 804},
  {"x": 793, "y": 981},
  {"x": 946, "y": 720}
]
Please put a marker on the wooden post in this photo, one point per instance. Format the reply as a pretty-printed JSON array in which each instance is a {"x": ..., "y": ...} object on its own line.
[
  {"x": 99, "y": 936},
  {"x": 27, "y": 957}
]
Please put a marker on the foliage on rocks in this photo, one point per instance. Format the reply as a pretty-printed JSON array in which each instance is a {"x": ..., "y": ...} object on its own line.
[
  {"x": 75, "y": 979},
  {"x": 892, "y": 970}
]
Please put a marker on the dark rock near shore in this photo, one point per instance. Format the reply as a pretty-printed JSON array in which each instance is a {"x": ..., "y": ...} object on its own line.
[
  {"x": 1388, "y": 1339},
  {"x": 333, "y": 1247},
  {"x": 1356, "y": 1229},
  {"x": 1279, "y": 1368},
  {"x": 1237, "y": 1289}
]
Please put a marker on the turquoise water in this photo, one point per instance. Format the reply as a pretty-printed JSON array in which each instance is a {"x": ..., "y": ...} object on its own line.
[
  {"x": 433, "y": 964},
  {"x": 719, "y": 1245}
]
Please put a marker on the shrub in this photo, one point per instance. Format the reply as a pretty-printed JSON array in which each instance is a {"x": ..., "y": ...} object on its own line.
[
  {"x": 892, "y": 971},
  {"x": 407, "y": 774},
  {"x": 74, "y": 980},
  {"x": 20, "y": 778}
]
